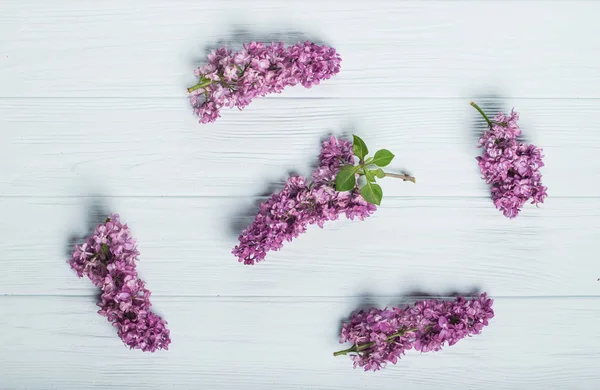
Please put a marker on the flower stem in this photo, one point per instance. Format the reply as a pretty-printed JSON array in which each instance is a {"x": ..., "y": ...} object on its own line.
[
  {"x": 403, "y": 177},
  {"x": 345, "y": 351},
  {"x": 482, "y": 113},
  {"x": 201, "y": 84},
  {"x": 104, "y": 249},
  {"x": 362, "y": 347},
  {"x": 243, "y": 70}
]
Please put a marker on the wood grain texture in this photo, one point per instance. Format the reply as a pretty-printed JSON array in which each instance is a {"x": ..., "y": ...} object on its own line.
[
  {"x": 129, "y": 147},
  {"x": 265, "y": 343},
  {"x": 389, "y": 48},
  {"x": 437, "y": 244},
  {"x": 94, "y": 119}
]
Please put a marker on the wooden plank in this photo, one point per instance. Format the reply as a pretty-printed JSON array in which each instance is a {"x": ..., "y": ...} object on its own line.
[
  {"x": 389, "y": 48},
  {"x": 276, "y": 343},
  {"x": 130, "y": 147},
  {"x": 410, "y": 243}
]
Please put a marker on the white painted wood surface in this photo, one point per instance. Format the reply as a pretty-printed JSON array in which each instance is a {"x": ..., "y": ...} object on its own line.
[{"x": 94, "y": 117}]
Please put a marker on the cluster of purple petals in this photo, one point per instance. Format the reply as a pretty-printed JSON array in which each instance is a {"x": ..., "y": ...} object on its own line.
[
  {"x": 108, "y": 259},
  {"x": 425, "y": 327},
  {"x": 234, "y": 79},
  {"x": 511, "y": 167},
  {"x": 287, "y": 214}
]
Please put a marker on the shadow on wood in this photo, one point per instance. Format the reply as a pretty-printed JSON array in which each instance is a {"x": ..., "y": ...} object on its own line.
[
  {"x": 411, "y": 296},
  {"x": 491, "y": 103},
  {"x": 365, "y": 301},
  {"x": 96, "y": 211},
  {"x": 245, "y": 216},
  {"x": 241, "y": 34}
]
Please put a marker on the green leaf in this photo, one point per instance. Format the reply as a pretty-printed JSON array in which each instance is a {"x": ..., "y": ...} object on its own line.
[
  {"x": 372, "y": 193},
  {"x": 359, "y": 148},
  {"x": 382, "y": 158},
  {"x": 105, "y": 249},
  {"x": 345, "y": 179},
  {"x": 379, "y": 173},
  {"x": 369, "y": 175}
]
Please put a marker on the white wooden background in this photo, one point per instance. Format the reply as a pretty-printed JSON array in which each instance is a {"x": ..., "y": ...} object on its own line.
[{"x": 94, "y": 118}]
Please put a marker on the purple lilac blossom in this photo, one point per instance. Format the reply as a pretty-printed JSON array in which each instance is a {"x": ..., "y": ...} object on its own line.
[
  {"x": 511, "y": 167},
  {"x": 380, "y": 336},
  {"x": 234, "y": 79},
  {"x": 108, "y": 259},
  {"x": 287, "y": 214}
]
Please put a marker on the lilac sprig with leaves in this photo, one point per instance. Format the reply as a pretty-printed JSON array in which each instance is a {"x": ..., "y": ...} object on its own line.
[
  {"x": 302, "y": 202},
  {"x": 370, "y": 168}
]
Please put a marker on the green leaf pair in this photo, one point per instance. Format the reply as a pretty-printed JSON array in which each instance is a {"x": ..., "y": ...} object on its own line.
[{"x": 346, "y": 178}]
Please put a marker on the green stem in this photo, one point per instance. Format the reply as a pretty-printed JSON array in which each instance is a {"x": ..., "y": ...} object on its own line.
[
  {"x": 362, "y": 347},
  {"x": 482, "y": 113},
  {"x": 403, "y": 177},
  {"x": 345, "y": 351},
  {"x": 243, "y": 71},
  {"x": 201, "y": 84},
  {"x": 104, "y": 249}
]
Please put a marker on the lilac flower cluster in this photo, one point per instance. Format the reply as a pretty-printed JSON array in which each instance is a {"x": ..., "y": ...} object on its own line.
[
  {"x": 288, "y": 213},
  {"x": 511, "y": 167},
  {"x": 234, "y": 79},
  {"x": 382, "y": 336},
  {"x": 108, "y": 259}
]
